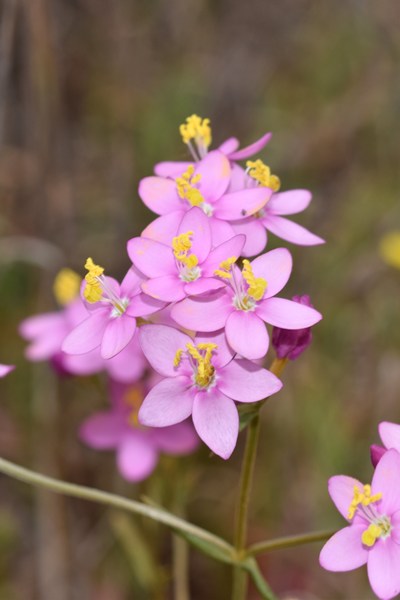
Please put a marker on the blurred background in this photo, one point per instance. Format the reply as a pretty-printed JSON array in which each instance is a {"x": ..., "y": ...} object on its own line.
[{"x": 91, "y": 96}]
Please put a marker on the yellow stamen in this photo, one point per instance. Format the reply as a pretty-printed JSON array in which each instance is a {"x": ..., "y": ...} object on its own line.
[
  {"x": 181, "y": 244},
  {"x": 390, "y": 249},
  {"x": 204, "y": 369},
  {"x": 185, "y": 187},
  {"x": 257, "y": 285},
  {"x": 362, "y": 497},
  {"x": 371, "y": 534},
  {"x": 196, "y": 129},
  {"x": 66, "y": 286},
  {"x": 225, "y": 267},
  {"x": 93, "y": 292},
  {"x": 178, "y": 357},
  {"x": 262, "y": 173}
]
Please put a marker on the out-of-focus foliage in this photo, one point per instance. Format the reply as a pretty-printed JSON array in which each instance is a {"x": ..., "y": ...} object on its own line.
[{"x": 91, "y": 96}]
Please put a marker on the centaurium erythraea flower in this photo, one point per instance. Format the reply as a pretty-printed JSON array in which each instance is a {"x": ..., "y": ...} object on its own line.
[
  {"x": 202, "y": 379},
  {"x": 247, "y": 303},
  {"x": 390, "y": 436},
  {"x": 373, "y": 534},
  {"x": 187, "y": 265}
]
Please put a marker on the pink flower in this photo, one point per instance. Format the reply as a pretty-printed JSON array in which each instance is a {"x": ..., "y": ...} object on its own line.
[
  {"x": 373, "y": 535},
  {"x": 137, "y": 447},
  {"x": 202, "y": 379},
  {"x": 203, "y": 184},
  {"x": 6, "y": 369},
  {"x": 186, "y": 266},
  {"x": 291, "y": 343},
  {"x": 390, "y": 436},
  {"x": 113, "y": 309},
  {"x": 248, "y": 302}
]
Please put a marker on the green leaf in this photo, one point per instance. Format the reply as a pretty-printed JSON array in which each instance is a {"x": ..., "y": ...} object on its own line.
[
  {"x": 215, "y": 552},
  {"x": 251, "y": 566}
]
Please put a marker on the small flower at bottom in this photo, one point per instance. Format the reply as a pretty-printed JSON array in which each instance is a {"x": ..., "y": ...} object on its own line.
[
  {"x": 373, "y": 535},
  {"x": 202, "y": 379}
]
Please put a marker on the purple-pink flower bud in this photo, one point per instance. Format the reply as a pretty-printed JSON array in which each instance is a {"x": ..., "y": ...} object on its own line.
[
  {"x": 290, "y": 343},
  {"x": 376, "y": 452}
]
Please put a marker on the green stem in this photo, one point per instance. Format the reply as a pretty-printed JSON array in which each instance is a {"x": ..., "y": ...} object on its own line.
[
  {"x": 79, "y": 491},
  {"x": 289, "y": 541}
]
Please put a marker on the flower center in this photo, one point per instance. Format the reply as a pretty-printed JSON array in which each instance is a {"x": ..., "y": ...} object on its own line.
[
  {"x": 187, "y": 262},
  {"x": 200, "y": 359},
  {"x": 186, "y": 187},
  {"x": 66, "y": 286},
  {"x": 262, "y": 174},
  {"x": 196, "y": 134},
  {"x": 248, "y": 289},
  {"x": 97, "y": 289},
  {"x": 362, "y": 504}
]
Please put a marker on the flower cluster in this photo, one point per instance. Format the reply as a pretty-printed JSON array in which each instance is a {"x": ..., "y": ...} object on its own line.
[{"x": 184, "y": 333}]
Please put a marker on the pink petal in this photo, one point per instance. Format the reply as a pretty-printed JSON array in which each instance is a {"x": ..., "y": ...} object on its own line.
[
  {"x": 252, "y": 149},
  {"x": 344, "y": 551},
  {"x": 195, "y": 220},
  {"x": 289, "y": 203},
  {"x": 167, "y": 403},
  {"x": 143, "y": 305},
  {"x": 235, "y": 206},
  {"x": 221, "y": 231},
  {"x": 239, "y": 179},
  {"x": 6, "y": 369},
  {"x": 247, "y": 334},
  {"x": 84, "y": 364},
  {"x": 137, "y": 456},
  {"x": 275, "y": 267},
  {"x": 160, "y": 344},
  {"x": 287, "y": 314},
  {"x": 229, "y": 145},
  {"x": 383, "y": 568},
  {"x": 152, "y": 258},
  {"x": 216, "y": 420},
  {"x": 168, "y": 288},
  {"x": 232, "y": 247},
  {"x": 117, "y": 335},
  {"x": 341, "y": 490},
  {"x": 291, "y": 232},
  {"x": 256, "y": 236},
  {"x": 130, "y": 364},
  {"x": 223, "y": 354},
  {"x": 87, "y": 335},
  {"x": 171, "y": 168},
  {"x": 103, "y": 430},
  {"x": 386, "y": 481},
  {"x": 390, "y": 435},
  {"x": 203, "y": 285},
  {"x": 246, "y": 381},
  {"x": 164, "y": 228},
  {"x": 215, "y": 172},
  {"x": 208, "y": 313},
  {"x": 131, "y": 282},
  {"x": 160, "y": 195},
  {"x": 42, "y": 324},
  {"x": 176, "y": 440}
]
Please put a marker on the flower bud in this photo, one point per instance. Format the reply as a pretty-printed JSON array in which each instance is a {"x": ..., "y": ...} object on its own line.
[
  {"x": 290, "y": 343},
  {"x": 376, "y": 453}
]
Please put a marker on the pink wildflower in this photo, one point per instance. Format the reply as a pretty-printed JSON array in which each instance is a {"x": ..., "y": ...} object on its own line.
[
  {"x": 373, "y": 535},
  {"x": 6, "y": 369},
  {"x": 248, "y": 302},
  {"x": 390, "y": 436},
  {"x": 202, "y": 379}
]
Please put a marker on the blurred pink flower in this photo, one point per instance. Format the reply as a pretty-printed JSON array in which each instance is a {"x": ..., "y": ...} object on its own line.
[
  {"x": 390, "y": 436},
  {"x": 6, "y": 369}
]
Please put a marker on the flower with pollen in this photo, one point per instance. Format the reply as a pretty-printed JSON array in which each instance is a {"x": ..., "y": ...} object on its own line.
[
  {"x": 196, "y": 133},
  {"x": 261, "y": 173}
]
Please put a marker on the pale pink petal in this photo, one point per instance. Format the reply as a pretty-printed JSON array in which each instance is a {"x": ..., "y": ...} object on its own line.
[
  {"x": 239, "y": 179},
  {"x": 252, "y": 149},
  {"x": 287, "y": 314},
  {"x": 87, "y": 335},
  {"x": 247, "y": 334},
  {"x": 203, "y": 285},
  {"x": 214, "y": 171},
  {"x": 168, "y": 288},
  {"x": 151, "y": 258},
  {"x": 130, "y": 364},
  {"x": 42, "y": 324},
  {"x": 160, "y": 195},
  {"x": 216, "y": 420},
  {"x": 245, "y": 381},
  {"x": 164, "y": 228},
  {"x": 256, "y": 235},
  {"x": 223, "y": 354},
  {"x": 171, "y": 168},
  {"x": 6, "y": 369},
  {"x": 220, "y": 231},
  {"x": 344, "y": 551},
  {"x": 230, "y": 248},
  {"x": 160, "y": 344},
  {"x": 208, "y": 313},
  {"x": 390, "y": 435},
  {"x": 238, "y": 205},
  {"x": 386, "y": 481},
  {"x": 291, "y": 232},
  {"x": 143, "y": 305},
  {"x": 176, "y": 440},
  {"x": 196, "y": 221},
  {"x": 84, "y": 364},
  {"x": 395, "y": 524},
  {"x": 117, "y": 335},
  {"x": 289, "y": 203},
  {"x": 383, "y": 568},
  {"x": 167, "y": 403},
  {"x": 275, "y": 267},
  {"x": 341, "y": 490},
  {"x": 229, "y": 145},
  {"x": 103, "y": 430},
  {"x": 136, "y": 456},
  {"x": 131, "y": 282}
]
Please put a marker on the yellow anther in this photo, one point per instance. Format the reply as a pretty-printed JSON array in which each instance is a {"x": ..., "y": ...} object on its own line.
[
  {"x": 204, "y": 370},
  {"x": 94, "y": 270},
  {"x": 257, "y": 285},
  {"x": 390, "y": 249},
  {"x": 133, "y": 399},
  {"x": 66, "y": 286},
  {"x": 181, "y": 244},
  {"x": 93, "y": 291},
  {"x": 193, "y": 351},
  {"x": 185, "y": 187},
  {"x": 362, "y": 497},
  {"x": 196, "y": 129},
  {"x": 225, "y": 267},
  {"x": 262, "y": 173},
  {"x": 371, "y": 534},
  {"x": 178, "y": 357}
]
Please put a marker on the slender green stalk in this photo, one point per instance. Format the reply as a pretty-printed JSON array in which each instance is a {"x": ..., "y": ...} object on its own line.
[
  {"x": 86, "y": 493},
  {"x": 289, "y": 541}
]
